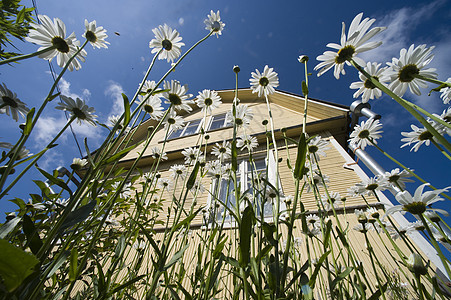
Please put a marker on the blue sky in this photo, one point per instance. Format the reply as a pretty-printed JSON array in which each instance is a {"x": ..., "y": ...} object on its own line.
[{"x": 257, "y": 33}]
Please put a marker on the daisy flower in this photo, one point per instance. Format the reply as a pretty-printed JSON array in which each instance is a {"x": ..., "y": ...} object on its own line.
[
  {"x": 368, "y": 131},
  {"x": 445, "y": 116},
  {"x": 167, "y": 41},
  {"x": 155, "y": 153},
  {"x": 10, "y": 104},
  {"x": 334, "y": 200},
  {"x": 178, "y": 170},
  {"x": 371, "y": 185},
  {"x": 317, "y": 146},
  {"x": 419, "y": 203},
  {"x": 217, "y": 170},
  {"x": 95, "y": 35},
  {"x": 208, "y": 100},
  {"x": 213, "y": 23},
  {"x": 403, "y": 71},
  {"x": 418, "y": 137},
  {"x": 191, "y": 154},
  {"x": 149, "y": 86},
  {"x": 78, "y": 163},
  {"x": 165, "y": 184},
  {"x": 126, "y": 191},
  {"x": 78, "y": 109},
  {"x": 173, "y": 121},
  {"x": 139, "y": 245},
  {"x": 352, "y": 44},
  {"x": 177, "y": 95},
  {"x": 398, "y": 178},
  {"x": 365, "y": 87},
  {"x": 312, "y": 219},
  {"x": 222, "y": 152},
  {"x": 243, "y": 117},
  {"x": 152, "y": 106},
  {"x": 52, "y": 34},
  {"x": 247, "y": 141},
  {"x": 316, "y": 180},
  {"x": 446, "y": 93},
  {"x": 264, "y": 83},
  {"x": 312, "y": 231}
]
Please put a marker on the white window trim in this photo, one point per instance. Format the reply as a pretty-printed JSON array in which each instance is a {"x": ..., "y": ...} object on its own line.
[
  {"x": 242, "y": 169},
  {"x": 184, "y": 129}
]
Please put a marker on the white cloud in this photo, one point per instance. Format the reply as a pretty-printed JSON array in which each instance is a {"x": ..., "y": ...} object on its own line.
[
  {"x": 48, "y": 127},
  {"x": 401, "y": 24},
  {"x": 114, "y": 90},
  {"x": 51, "y": 160}
]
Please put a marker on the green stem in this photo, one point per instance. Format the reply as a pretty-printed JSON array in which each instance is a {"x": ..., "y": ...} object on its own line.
[
  {"x": 436, "y": 246},
  {"x": 432, "y": 116},
  {"x": 49, "y": 146},
  {"x": 405, "y": 168},
  {"x": 440, "y": 149},
  {"x": 436, "y": 81},
  {"x": 21, "y": 57},
  {"x": 407, "y": 107}
]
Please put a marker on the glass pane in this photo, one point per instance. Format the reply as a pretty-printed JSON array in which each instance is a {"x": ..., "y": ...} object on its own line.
[
  {"x": 259, "y": 167},
  {"x": 227, "y": 197},
  {"x": 191, "y": 128},
  {"x": 217, "y": 122},
  {"x": 175, "y": 134}
]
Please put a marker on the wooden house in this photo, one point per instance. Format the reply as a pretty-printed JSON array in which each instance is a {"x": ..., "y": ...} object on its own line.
[{"x": 328, "y": 120}]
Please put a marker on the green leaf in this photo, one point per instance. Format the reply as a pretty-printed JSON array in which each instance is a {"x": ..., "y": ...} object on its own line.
[
  {"x": 246, "y": 235},
  {"x": 50, "y": 98},
  {"x": 61, "y": 259},
  {"x": 317, "y": 268},
  {"x": 342, "y": 237},
  {"x": 377, "y": 293},
  {"x": 73, "y": 264},
  {"x": 8, "y": 227},
  {"x": 234, "y": 157},
  {"x": 21, "y": 16},
  {"x": 341, "y": 276},
  {"x": 175, "y": 258},
  {"x": 59, "y": 182},
  {"x": 29, "y": 122},
  {"x": 327, "y": 234},
  {"x": 33, "y": 240},
  {"x": 304, "y": 88},
  {"x": 219, "y": 247},
  {"x": 300, "y": 158},
  {"x": 78, "y": 215},
  {"x": 126, "y": 110},
  {"x": 192, "y": 177},
  {"x": 119, "y": 155},
  {"x": 15, "y": 265},
  {"x": 120, "y": 247},
  {"x": 187, "y": 220}
]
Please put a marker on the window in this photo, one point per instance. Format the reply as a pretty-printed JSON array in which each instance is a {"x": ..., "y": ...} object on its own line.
[
  {"x": 218, "y": 121},
  {"x": 193, "y": 127},
  {"x": 246, "y": 172},
  {"x": 190, "y": 128}
]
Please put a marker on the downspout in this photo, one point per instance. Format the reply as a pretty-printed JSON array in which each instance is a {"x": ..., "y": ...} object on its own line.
[{"x": 359, "y": 109}]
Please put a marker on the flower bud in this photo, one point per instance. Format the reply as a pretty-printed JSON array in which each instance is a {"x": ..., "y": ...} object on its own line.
[
  {"x": 303, "y": 59},
  {"x": 415, "y": 264},
  {"x": 236, "y": 69}
]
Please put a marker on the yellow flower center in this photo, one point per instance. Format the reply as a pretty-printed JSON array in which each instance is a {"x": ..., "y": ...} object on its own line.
[
  {"x": 60, "y": 44},
  {"x": 408, "y": 72},
  {"x": 416, "y": 208},
  {"x": 167, "y": 45},
  {"x": 345, "y": 54},
  {"x": 264, "y": 81},
  {"x": 9, "y": 101},
  {"x": 91, "y": 36}
]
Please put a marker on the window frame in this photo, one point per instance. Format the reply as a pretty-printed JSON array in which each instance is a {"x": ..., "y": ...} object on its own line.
[
  {"x": 243, "y": 172},
  {"x": 183, "y": 129}
]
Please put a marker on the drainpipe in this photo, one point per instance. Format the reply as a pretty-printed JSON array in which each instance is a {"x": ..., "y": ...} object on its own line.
[{"x": 359, "y": 109}]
